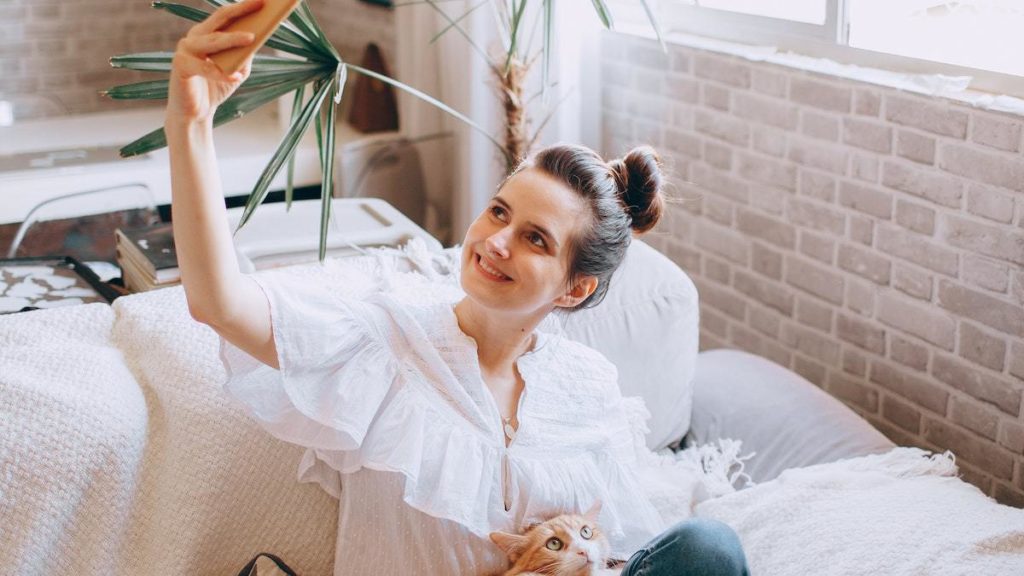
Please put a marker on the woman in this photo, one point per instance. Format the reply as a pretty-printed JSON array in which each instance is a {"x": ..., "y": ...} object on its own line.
[{"x": 444, "y": 419}]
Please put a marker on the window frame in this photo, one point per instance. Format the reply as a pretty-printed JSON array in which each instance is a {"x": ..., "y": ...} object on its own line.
[{"x": 828, "y": 40}]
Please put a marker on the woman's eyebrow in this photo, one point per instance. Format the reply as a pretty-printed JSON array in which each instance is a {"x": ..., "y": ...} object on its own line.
[{"x": 539, "y": 228}]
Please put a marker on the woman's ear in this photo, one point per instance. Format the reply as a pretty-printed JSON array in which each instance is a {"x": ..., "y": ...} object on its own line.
[{"x": 580, "y": 291}]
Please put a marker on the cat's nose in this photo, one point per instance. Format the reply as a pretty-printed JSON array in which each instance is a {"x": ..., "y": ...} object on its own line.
[{"x": 584, "y": 554}]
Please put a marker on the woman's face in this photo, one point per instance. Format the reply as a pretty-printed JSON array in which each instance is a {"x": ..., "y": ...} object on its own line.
[{"x": 515, "y": 256}]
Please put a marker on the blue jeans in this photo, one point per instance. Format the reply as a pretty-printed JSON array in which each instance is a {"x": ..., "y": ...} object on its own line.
[{"x": 694, "y": 547}]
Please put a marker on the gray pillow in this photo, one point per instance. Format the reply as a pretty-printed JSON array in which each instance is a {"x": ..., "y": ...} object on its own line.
[{"x": 785, "y": 419}]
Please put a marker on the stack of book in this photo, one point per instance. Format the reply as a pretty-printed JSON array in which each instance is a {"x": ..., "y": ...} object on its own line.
[{"x": 147, "y": 257}]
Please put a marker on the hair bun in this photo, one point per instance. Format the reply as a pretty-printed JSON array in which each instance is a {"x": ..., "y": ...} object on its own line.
[{"x": 638, "y": 176}]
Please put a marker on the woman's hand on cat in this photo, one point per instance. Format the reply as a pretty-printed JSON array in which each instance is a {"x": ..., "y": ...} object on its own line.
[{"x": 197, "y": 86}]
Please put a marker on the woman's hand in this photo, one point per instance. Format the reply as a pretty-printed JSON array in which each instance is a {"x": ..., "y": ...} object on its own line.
[{"x": 197, "y": 85}]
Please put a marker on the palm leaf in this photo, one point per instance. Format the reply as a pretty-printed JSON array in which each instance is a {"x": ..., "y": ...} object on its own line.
[
  {"x": 455, "y": 22},
  {"x": 161, "y": 62},
  {"x": 287, "y": 146},
  {"x": 603, "y": 13},
  {"x": 149, "y": 90},
  {"x": 549, "y": 17},
  {"x": 144, "y": 61},
  {"x": 327, "y": 182},
  {"x": 321, "y": 37},
  {"x": 157, "y": 89},
  {"x": 655, "y": 25},
  {"x": 289, "y": 190},
  {"x": 517, "y": 19},
  {"x": 454, "y": 25},
  {"x": 235, "y": 107}
]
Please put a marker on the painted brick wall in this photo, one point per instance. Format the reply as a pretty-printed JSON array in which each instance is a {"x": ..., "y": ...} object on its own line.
[
  {"x": 54, "y": 53},
  {"x": 869, "y": 239}
]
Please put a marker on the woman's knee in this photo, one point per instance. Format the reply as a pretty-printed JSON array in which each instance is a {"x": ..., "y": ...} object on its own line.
[{"x": 706, "y": 547}]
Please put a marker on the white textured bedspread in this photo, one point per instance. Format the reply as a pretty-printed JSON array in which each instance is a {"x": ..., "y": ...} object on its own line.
[
  {"x": 120, "y": 455},
  {"x": 899, "y": 513}
]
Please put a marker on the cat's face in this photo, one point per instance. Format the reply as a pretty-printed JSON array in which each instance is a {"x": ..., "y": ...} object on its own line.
[{"x": 567, "y": 545}]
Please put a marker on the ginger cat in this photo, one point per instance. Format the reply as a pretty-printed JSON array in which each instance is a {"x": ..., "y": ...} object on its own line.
[{"x": 566, "y": 545}]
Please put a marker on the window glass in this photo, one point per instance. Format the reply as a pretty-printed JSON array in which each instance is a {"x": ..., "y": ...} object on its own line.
[
  {"x": 985, "y": 34},
  {"x": 810, "y": 11}
]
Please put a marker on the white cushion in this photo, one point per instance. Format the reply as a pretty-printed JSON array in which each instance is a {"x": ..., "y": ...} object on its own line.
[{"x": 647, "y": 326}]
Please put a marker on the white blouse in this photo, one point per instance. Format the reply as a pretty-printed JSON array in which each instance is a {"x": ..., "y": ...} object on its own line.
[{"x": 380, "y": 384}]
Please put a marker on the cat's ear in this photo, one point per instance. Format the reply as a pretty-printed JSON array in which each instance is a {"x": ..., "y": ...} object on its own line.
[
  {"x": 511, "y": 544},
  {"x": 594, "y": 512}
]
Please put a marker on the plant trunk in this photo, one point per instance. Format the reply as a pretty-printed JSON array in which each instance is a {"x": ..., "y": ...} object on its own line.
[{"x": 511, "y": 82}]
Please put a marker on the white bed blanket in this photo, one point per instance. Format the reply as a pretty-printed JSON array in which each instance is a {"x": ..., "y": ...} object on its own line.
[
  {"x": 899, "y": 513},
  {"x": 121, "y": 455}
]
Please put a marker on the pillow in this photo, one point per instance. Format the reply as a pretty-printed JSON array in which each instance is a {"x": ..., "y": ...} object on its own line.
[
  {"x": 782, "y": 418},
  {"x": 647, "y": 326}
]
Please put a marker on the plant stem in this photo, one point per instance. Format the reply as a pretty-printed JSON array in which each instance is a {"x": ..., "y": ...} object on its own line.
[{"x": 510, "y": 81}]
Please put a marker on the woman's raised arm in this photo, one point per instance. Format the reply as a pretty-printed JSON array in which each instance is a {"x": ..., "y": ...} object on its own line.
[{"x": 218, "y": 294}]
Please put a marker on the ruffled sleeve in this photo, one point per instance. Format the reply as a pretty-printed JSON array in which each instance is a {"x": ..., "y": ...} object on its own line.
[{"x": 336, "y": 369}]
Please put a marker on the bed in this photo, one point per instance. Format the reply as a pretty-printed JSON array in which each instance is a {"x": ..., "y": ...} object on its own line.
[{"x": 120, "y": 454}]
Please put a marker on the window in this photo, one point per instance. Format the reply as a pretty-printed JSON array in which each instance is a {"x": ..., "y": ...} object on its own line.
[
  {"x": 809, "y": 11},
  {"x": 984, "y": 34},
  {"x": 978, "y": 38}
]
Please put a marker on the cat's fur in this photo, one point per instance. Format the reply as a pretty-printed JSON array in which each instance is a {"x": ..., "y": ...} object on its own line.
[{"x": 578, "y": 556}]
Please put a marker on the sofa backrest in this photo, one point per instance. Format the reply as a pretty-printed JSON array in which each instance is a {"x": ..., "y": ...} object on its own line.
[{"x": 647, "y": 326}]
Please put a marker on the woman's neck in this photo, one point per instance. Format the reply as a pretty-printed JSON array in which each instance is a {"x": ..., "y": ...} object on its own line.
[{"x": 500, "y": 338}]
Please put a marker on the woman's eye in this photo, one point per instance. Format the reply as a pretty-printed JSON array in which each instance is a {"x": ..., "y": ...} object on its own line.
[
  {"x": 499, "y": 213},
  {"x": 537, "y": 240},
  {"x": 586, "y": 532},
  {"x": 554, "y": 544}
]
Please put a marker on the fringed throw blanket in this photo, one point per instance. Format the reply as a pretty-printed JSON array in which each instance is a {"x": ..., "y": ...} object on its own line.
[{"x": 903, "y": 512}]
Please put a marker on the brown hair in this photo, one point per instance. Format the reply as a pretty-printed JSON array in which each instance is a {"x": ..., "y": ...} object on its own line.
[{"x": 624, "y": 196}]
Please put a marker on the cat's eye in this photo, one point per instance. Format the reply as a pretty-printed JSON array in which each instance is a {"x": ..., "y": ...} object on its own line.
[
  {"x": 554, "y": 544},
  {"x": 586, "y": 532}
]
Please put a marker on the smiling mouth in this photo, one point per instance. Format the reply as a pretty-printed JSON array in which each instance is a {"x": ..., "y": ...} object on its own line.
[{"x": 490, "y": 272}]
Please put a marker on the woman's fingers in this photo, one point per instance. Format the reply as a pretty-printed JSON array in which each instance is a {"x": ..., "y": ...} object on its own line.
[
  {"x": 187, "y": 65},
  {"x": 244, "y": 71},
  {"x": 203, "y": 46},
  {"x": 225, "y": 15}
]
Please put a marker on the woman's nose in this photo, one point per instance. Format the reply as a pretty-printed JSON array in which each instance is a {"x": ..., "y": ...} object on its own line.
[{"x": 497, "y": 243}]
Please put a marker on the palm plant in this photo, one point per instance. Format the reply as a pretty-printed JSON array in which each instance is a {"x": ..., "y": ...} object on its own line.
[{"x": 312, "y": 64}]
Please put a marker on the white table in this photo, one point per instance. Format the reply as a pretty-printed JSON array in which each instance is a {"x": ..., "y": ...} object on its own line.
[{"x": 244, "y": 147}]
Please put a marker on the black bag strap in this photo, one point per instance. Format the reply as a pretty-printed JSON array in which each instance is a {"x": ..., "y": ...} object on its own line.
[{"x": 251, "y": 566}]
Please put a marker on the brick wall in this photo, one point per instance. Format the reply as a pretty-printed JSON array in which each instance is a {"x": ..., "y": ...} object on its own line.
[
  {"x": 54, "y": 53},
  {"x": 870, "y": 239}
]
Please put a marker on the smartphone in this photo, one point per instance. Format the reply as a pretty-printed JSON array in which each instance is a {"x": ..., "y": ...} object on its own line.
[{"x": 262, "y": 24}]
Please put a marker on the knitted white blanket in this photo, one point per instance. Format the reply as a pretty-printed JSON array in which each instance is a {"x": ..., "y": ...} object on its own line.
[
  {"x": 897, "y": 513},
  {"x": 120, "y": 455}
]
